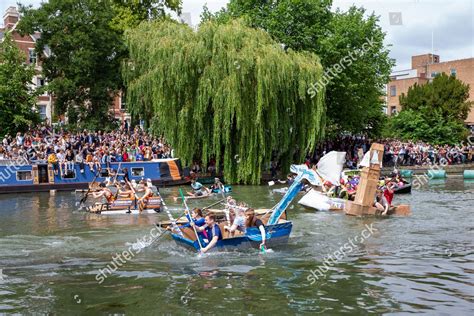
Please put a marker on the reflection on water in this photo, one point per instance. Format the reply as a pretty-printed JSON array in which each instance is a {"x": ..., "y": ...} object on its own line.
[{"x": 50, "y": 255}]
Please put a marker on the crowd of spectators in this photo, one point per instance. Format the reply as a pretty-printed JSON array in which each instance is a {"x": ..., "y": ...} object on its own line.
[
  {"x": 397, "y": 153},
  {"x": 64, "y": 149}
]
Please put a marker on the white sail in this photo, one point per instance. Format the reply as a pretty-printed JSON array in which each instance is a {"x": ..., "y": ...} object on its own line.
[
  {"x": 366, "y": 160},
  {"x": 330, "y": 166}
]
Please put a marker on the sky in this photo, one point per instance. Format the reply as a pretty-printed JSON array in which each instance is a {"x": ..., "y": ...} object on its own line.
[{"x": 412, "y": 27}]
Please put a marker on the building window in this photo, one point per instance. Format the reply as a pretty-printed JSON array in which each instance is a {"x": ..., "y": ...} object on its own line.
[
  {"x": 453, "y": 72},
  {"x": 123, "y": 101},
  {"x": 138, "y": 172},
  {"x": 434, "y": 74},
  {"x": 32, "y": 56},
  {"x": 23, "y": 175},
  {"x": 393, "y": 110},
  {"x": 42, "y": 111},
  {"x": 393, "y": 91}
]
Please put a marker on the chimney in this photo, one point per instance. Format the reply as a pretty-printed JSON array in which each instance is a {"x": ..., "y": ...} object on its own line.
[{"x": 11, "y": 17}]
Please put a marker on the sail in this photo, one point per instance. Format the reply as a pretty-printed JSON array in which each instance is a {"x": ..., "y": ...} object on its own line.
[
  {"x": 330, "y": 166},
  {"x": 303, "y": 174}
]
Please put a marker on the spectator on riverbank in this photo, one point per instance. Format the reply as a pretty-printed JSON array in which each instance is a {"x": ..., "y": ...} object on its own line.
[{"x": 63, "y": 149}]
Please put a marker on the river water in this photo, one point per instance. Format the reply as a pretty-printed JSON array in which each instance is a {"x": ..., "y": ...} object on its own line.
[{"x": 50, "y": 255}]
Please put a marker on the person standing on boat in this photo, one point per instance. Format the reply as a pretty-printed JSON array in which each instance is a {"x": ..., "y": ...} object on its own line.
[
  {"x": 253, "y": 221},
  {"x": 211, "y": 230}
]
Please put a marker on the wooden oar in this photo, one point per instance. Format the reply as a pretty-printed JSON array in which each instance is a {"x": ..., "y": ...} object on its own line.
[
  {"x": 190, "y": 219},
  {"x": 173, "y": 222},
  {"x": 84, "y": 198},
  {"x": 205, "y": 208}
]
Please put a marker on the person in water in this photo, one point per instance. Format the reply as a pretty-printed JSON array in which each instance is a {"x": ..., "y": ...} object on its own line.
[
  {"x": 238, "y": 222},
  {"x": 381, "y": 202},
  {"x": 211, "y": 230},
  {"x": 254, "y": 221}
]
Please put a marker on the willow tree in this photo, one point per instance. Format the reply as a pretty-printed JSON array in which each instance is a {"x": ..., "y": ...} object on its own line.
[{"x": 227, "y": 92}]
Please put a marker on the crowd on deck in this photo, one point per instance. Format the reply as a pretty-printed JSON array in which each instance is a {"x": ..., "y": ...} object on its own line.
[
  {"x": 63, "y": 149},
  {"x": 397, "y": 153}
]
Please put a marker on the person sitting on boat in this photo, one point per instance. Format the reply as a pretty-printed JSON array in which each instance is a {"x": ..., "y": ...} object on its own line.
[
  {"x": 238, "y": 222},
  {"x": 53, "y": 160},
  {"x": 381, "y": 202},
  {"x": 197, "y": 188},
  {"x": 125, "y": 191},
  {"x": 217, "y": 185},
  {"x": 211, "y": 230},
  {"x": 253, "y": 221},
  {"x": 103, "y": 192},
  {"x": 197, "y": 218},
  {"x": 146, "y": 196}
]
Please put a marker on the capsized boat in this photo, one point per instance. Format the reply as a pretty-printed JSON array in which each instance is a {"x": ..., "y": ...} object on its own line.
[{"x": 319, "y": 201}]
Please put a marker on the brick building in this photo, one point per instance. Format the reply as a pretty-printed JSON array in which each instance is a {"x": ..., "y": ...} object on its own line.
[
  {"x": 27, "y": 44},
  {"x": 423, "y": 69},
  {"x": 45, "y": 103}
]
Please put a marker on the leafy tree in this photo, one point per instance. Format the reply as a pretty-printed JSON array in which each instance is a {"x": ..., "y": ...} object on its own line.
[
  {"x": 83, "y": 68},
  {"x": 353, "y": 97},
  {"x": 445, "y": 94},
  {"x": 129, "y": 13},
  {"x": 227, "y": 92},
  {"x": 17, "y": 98},
  {"x": 85, "y": 38},
  {"x": 433, "y": 112}
]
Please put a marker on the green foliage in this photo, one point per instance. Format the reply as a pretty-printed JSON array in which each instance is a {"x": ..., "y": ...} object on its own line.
[
  {"x": 227, "y": 91},
  {"x": 445, "y": 94},
  {"x": 17, "y": 100},
  {"x": 353, "y": 98},
  {"x": 83, "y": 68},
  {"x": 434, "y": 112},
  {"x": 129, "y": 13}
]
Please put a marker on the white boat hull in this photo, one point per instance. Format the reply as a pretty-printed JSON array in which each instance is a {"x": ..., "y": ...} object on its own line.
[{"x": 318, "y": 201}]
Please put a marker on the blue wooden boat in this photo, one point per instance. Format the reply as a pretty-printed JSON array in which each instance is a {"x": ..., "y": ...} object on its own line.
[
  {"x": 275, "y": 234},
  {"x": 227, "y": 189},
  {"x": 18, "y": 177},
  {"x": 277, "y": 229}
]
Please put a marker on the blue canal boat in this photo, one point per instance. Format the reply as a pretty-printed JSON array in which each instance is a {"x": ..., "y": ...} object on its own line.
[{"x": 40, "y": 176}]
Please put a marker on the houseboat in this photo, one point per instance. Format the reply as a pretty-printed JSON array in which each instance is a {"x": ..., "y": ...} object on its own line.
[{"x": 18, "y": 177}]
